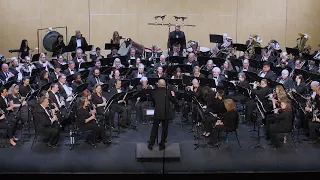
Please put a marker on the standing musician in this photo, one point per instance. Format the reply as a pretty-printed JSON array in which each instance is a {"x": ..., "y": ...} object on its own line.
[
  {"x": 16, "y": 100},
  {"x": 120, "y": 106},
  {"x": 96, "y": 78},
  {"x": 143, "y": 100},
  {"x": 43, "y": 63},
  {"x": 279, "y": 122},
  {"x": 78, "y": 41},
  {"x": 286, "y": 80},
  {"x": 177, "y": 34},
  {"x": 116, "y": 38},
  {"x": 217, "y": 76},
  {"x": 99, "y": 102},
  {"x": 86, "y": 120},
  {"x": 215, "y": 108},
  {"x": 314, "y": 124},
  {"x": 196, "y": 72},
  {"x": 64, "y": 90},
  {"x": 227, "y": 122},
  {"x": 24, "y": 49},
  {"x": 162, "y": 98},
  {"x": 261, "y": 93},
  {"x": 196, "y": 91},
  {"x": 57, "y": 46},
  {"x": 267, "y": 73},
  {"x": 71, "y": 69},
  {"x": 58, "y": 103},
  {"x": 47, "y": 122},
  {"x": 191, "y": 60}
]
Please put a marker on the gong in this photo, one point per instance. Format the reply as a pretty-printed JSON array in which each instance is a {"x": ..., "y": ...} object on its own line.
[{"x": 49, "y": 39}]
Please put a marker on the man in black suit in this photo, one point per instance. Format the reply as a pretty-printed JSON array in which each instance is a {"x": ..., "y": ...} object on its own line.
[
  {"x": 138, "y": 73},
  {"x": 77, "y": 41},
  {"x": 96, "y": 78},
  {"x": 162, "y": 98},
  {"x": 7, "y": 121},
  {"x": 246, "y": 67},
  {"x": 47, "y": 122},
  {"x": 286, "y": 80},
  {"x": 71, "y": 69},
  {"x": 267, "y": 73},
  {"x": 265, "y": 56},
  {"x": 177, "y": 34},
  {"x": 191, "y": 60},
  {"x": 5, "y": 73},
  {"x": 97, "y": 65},
  {"x": 217, "y": 76},
  {"x": 56, "y": 72}
]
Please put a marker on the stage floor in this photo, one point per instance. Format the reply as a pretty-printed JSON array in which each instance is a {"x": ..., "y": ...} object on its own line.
[{"x": 122, "y": 158}]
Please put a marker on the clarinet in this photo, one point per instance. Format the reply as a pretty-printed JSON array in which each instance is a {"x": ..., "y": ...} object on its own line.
[{"x": 92, "y": 107}]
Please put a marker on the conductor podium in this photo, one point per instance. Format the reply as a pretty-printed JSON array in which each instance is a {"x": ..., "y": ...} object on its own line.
[{"x": 170, "y": 153}]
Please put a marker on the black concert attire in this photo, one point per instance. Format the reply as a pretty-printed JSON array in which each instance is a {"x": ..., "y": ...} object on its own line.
[
  {"x": 200, "y": 76},
  {"x": 42, "y": 82},
  {"x": 62, "y": 114},
  {"x": 314, "y": 125},
  {"x": 57, "y": 48},
  {"x": 20, "y": 113},
  {"x": 197, "y": 92},
  {"x": 4, "y": 76},
  {"x": 24, "y": 52},
  {"x": 236, "y": 96},
  {"x": 288, "y": 83},
  {"x": 161, "y": 98},
  {"x": 180, "y": 35},
  {"x": 214, "y": 106},
  {"x": 193, "y": 63},
  {"x": 230, "y": 120},
  {"x": 93, "y": 80},
  {"x": 24, "y": 90},
  {"x": 73, "y": 44},
  {"x": 96, "y": 100},
  {"x": 45, "y": 126},
  {"x": 219, "y": 79},
  {"x": 156, "y": 75},
  {"x": 69, "y": 71},
  {"x": 268, "y": 75},
  {"x": 262, "y": 94},
  {"x": 171, "y": 54},
  {"x": 96, "y": 57},
  {"x": 119, "y": 108},
  {"x": 278, "y": 123},
  {"x": 10, "y": 122},
  {"x": 249, "y": 69},
  {"x": 98, "y": 131},
  {"x": 75, "y": 84},
  {"x": 143, "y": 103}
]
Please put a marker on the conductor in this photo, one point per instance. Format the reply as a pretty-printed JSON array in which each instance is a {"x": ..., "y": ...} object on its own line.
[
  {"x": 177, "y": 34},
  {"x": 161, "y": 98}
]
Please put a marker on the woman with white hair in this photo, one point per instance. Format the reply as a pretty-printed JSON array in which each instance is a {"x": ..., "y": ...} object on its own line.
[
  {"x": 143, "y": 100},
  {"x": 209, "y": 66}
]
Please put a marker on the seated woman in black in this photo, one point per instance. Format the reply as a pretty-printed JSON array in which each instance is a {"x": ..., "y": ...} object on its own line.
[
  {"x": 86, "y": 121},
  {"x": 216, "y": 107},
  {"x": 228, "y": 122},
  {"x": 99, "y": 101},
  {"x": 280, "y": 121},
  {"x": 43, "y": 78}
]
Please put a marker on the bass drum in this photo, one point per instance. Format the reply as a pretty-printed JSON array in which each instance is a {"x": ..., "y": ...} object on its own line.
[
  {"x": 49, "y": 39},
  {"x": 205, "y": 51},
  {"x": 127, "y": 45}
]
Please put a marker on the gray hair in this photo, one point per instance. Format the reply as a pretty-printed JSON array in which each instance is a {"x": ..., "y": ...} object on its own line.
[
  {"x": 216, "y": 69},
  {"x": 209, "y": 62},
  {"x": 141, "y": 66},
  {"x": 286, "y": 72},
  {"x": 191, "y": 54},
  {"x": 79, "y": 50},
  {"x": 314, "y": 83},
  {"x": 163, "y": 56},
  {"x": 143, "y": 79},
  {"x": 195, "y": 81},
  {"x": 245, "y": 61}
]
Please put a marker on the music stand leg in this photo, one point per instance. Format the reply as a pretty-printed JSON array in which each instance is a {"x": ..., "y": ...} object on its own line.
[
  {"x": 254, "y": 125},
  {"x": 258, "y": 145},
  {"x": 298, "y": 136}
]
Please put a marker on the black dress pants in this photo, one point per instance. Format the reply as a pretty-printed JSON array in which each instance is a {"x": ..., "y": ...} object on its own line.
[
  {"x": 154, "y": 131},
  {"x": 5, "y": 125},
  {"x": 215, "y": 131},
  {"x": 313, "y": 130},
  {"x": 98, "y": 132},
  {"x": 250, "y": 107},
  {"x": 123, "y": 110},
  {"x": 52, "y": 133},
  {"x": 139, "y": 110},
  {"x": 209, "y": 123}
]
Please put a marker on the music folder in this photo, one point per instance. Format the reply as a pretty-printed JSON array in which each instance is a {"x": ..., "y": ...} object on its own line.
[
  {"x": 218, "y": 61},
  {"x": 135, "y": 82},
  {"x": 175, "y": 59},
  {"x": 240, "y": 47},
  {"x": 208, "y": 82},
  {"x": 176, "y": 82},
  {"x": 229, "y": 85},
  {"x": 81, "y": 88},
  {"x": 314, "y": 76},
  {"x": 302, "y": 72},
  {"x": 214, "y": 38},
  {"x": 184, "y": 68},
  {"x": 255, "y": 64},
  {"x": 153, "y": 81},
  {"x": 232, "y": 75},
  {"x": 236, "y": 62},
  {"x": 243, "y": 91},
  {"x": 85, "y": 73},
  {"x": 202, "y": 60},
  {"x": 86, "y": 65},
  {"x": 205, "y": 72},
  {"x": 183, "y": 96},
  {"x": 86, "y": 48}
]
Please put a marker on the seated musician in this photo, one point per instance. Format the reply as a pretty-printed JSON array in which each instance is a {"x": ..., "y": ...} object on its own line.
[
  {"x": 209, "y": 66},
  {"x": 20, "y": 110},
  {"x": 5, "y": 73},
  {"x": 143, "y": 101},
  {"x": 43, "y": 78},
  {"x": 286, "y": 80},
  {"x": 64, "y": 90},
  {"x": 314, "y": 124},
  {"x": 16, "y": 68},
  {"x": 242, "y": 81},
  {"x": 76, "y": 82},
  {"x": 47, "y": 122},
  {"x": 215, "y": 107},
  {"x": 56, "y": 72},
  {"x": 137, "y": 64},
  {"x": 265, "y": 56},
  {"x": 299, "y": 85},
  {"x": 279, "y": 122},
  {"x": 227, "y": 66},
  {"x": 267, "y": 73},
  {"x": 244, "y": 56},
  {"x": 246, "y": 67},
  {"x": 113, "y": 79},
  {"x": 159, "y": 73},
  {"x": 25, "y": 87},
  {"x": 262, "y": 92},
  {"x": 120, "y": 106},
  {"x": 59, "y": 103},
  {"x": 26, "y": 67},
  {"x": 60, "y": 60},
  {"x": 71, "y": 69},
  {"x": 96, "y": 78},
  {"x": 195, "y": 90},
  {"x": 175, "y": 51},
  {"x": 7, "y": 120},
  {"x": 86, "y": 120},
  {"x": 162, "y": 62},
  {"x": 227, "y": 122},
  {"x": 97, "y": 55},
  {"x": 177, "y": 74},
  {"x": 43, "y": 63},
  {"x": 97, "y": 65},
  {"x": 313, "y": 67},
  {"x": 117, "y": 64},
  {"x": 196, "y": 72},
  {"x": 217, "y": 76},
  {"x": 132, "y": 55},
  {"x": 138, "y": 73},
  {"x": 79, "y": 57},
  {"x": 99, "y": 101},
  {"x": 312, "y": 96},
  {"x": 57, "y": 46},
  {"x": 113, "y": 53},
  {"x": 77, "y": 41},
  {"x": 191, "y": 60}
]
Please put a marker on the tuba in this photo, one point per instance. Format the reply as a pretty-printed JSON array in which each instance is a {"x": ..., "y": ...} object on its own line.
[
  {"x": 256, "y": 42},
  {"x": 302, "y": 44}
]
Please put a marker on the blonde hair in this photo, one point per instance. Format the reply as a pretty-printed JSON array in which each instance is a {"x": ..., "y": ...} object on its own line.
[{"x": 229, "y": 104}]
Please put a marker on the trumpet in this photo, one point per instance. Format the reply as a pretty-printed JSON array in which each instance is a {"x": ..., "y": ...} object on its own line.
[
  {"x": 255, "y": 84},
  {"x": 53, "y": 113},
  {"x": 235, "y": 82}
]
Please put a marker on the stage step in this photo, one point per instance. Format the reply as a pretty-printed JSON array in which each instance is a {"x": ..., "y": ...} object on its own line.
[{"x": 171, "y": 153}]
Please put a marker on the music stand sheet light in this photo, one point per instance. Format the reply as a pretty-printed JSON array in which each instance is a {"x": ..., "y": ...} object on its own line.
[{"x": 170, "y": 153}]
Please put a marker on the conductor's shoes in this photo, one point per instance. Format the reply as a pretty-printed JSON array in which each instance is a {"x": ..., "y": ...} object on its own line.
[
  {"x": 150, "y": 147},
  {"x": 161, "y": 147},
  {"x": 107, "y": 143},
  {"x": 52, "y": 146}
]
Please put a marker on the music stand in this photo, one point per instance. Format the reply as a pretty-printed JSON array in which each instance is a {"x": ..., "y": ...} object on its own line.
[
  {"x": 214, "y": 38},
  {"x": 208, "y": 82},
  {"x": 240, "y": 47},
  {"x": 184, "y": 98},
  {"x": 110, "y": 46},
  {"x": 262, "y": 116},
  {"x": 293, "y": 51}
]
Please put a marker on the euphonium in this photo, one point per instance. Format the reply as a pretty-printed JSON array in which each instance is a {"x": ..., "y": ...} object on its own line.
[{"x": 302, "y": 44}]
